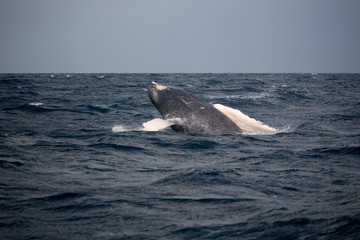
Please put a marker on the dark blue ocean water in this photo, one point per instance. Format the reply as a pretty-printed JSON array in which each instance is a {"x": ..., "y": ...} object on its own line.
[{"x": 75, "y": 165}]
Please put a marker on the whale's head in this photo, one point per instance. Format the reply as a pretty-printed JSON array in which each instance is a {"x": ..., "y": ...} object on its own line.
[
  {"x": 162, "y": 97},
  {"x": 173, "y": 102}
]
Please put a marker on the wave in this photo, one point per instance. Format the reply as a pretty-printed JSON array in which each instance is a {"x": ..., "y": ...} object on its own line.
[
  {"x": 213, "y": 200},
  {"x": 254, "y": 96},
  {"x": 200, "y": 177},
  {"x": 62, "y": 196},
  {"x": 98, "y": 108},
  {"x": 333, "y": 150},
  {"x": 10, "y": 164},
  {"x": 122, "y": 147},
  {"x": 309, "y": 228}
]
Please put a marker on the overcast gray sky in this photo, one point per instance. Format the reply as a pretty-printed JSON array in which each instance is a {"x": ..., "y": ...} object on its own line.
[{"x": 125, "y": 36}]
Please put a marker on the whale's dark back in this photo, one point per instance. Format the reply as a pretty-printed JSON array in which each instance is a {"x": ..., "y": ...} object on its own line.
[{"x": 197, "y": 115}]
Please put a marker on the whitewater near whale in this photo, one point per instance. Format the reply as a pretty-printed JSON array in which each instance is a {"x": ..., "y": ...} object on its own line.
[{"x": 186, "y": 112}]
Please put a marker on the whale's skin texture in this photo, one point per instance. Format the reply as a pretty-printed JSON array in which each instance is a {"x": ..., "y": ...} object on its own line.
[{"x": 196, "y": 115}]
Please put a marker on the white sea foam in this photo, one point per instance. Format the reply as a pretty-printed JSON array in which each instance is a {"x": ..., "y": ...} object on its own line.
[
  {"x": 251, "y": 96},
  {"x": 120, "y": 128},
  {"x": 257, "y": 96},
  {"x": 36, "y": 104}
]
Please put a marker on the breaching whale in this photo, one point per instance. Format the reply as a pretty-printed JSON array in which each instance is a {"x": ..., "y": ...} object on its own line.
[{"x": 185, "y": 112}]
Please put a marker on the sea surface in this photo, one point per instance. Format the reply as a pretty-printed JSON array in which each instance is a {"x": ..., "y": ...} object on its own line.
[{"x": 75, "y": 163}]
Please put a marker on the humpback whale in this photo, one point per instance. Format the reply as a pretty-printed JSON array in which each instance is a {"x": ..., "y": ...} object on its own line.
[{"x": 186, "y": 112}]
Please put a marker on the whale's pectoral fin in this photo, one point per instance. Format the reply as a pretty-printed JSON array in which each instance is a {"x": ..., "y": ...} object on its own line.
[
  {"x": 243, "y": 121},
  {"x": 159, "y": 124}
]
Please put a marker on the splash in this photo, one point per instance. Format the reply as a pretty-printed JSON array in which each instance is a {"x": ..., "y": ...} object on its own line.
[
  {"x": 120, "y": 128},
  {"x": 36, "y": 104},
  {"x": 243, "y": 121},
  {"x": 278, "y": 130}
]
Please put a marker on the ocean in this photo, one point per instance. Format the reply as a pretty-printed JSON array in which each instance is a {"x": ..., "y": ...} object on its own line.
[{"x": 76, "y": 164}]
